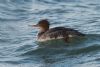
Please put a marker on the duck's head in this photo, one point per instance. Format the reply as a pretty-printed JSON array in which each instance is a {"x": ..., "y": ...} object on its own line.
[{"x": 43, "y": 25}]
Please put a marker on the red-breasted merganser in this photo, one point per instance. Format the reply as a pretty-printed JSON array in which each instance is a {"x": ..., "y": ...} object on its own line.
[{"x": 46, "y": 34}]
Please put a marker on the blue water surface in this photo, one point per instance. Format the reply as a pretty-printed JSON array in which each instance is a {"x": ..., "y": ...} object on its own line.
[{"x": 18, "y": 45}]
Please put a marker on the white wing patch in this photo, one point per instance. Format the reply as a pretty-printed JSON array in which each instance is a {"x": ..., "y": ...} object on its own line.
[
  {"x": 48, "y": 38},
  {"x": 70, "y": 35}
]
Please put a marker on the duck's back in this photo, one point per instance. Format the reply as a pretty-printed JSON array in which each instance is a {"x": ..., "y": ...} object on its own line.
[{"x": 58, "y": 33}]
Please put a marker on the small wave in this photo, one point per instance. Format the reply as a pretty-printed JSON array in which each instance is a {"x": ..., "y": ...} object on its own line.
[
  {"x": 20, "y": 1},
  {"x": 7, "y": 20},
  {"x": 85, "y": 50},
  {"x": 57, "y": 1},
  {"x": 53, "y": 11},
  {"x": 47, "y": 1},
  {"x": 67, "y": 0}
]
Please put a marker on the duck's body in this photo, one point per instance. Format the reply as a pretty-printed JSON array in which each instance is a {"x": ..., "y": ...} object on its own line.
[
  {"x": 58, "y": 33},
  {"x": 46, "y": 34}
]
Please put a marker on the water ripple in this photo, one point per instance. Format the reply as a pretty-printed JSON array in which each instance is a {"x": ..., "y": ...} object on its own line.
[{"x": 18, "y": 45}]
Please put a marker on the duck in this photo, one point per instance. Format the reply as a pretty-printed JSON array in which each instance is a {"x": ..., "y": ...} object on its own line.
[{"x": 46, "y": 33}]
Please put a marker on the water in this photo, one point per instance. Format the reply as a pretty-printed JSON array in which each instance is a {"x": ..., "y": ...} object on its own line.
[{"x": 18, "y": 45}]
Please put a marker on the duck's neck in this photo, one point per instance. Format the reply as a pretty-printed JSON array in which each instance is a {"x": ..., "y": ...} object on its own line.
[
  {"x": 42, "y": 31},
  {"x": 40, "y": 34}
]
